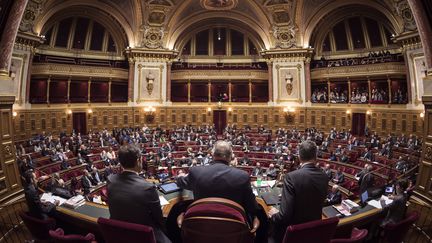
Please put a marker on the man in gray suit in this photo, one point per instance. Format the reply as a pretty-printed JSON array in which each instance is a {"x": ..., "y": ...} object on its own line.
[
  {"x": 303, "y": 194},
  {"x": 131, "y": 198}
]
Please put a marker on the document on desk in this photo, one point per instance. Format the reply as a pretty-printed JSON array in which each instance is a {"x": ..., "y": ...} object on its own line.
[
  {"x": 265, "y": 183},
  {"x": 48, "y": 197},
  {"x": 377, "y": 203},
  {"x": 163, "y": 201}
]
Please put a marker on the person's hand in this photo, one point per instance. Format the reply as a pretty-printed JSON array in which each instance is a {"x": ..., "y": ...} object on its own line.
[
  {"x": 181, "y": 173},
  {"x": 272, "y": 211},
  {"x": 256, "y": 224}
]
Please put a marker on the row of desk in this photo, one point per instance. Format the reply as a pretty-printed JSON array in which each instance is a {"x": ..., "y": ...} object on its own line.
[{"x": 84, "y": 218}]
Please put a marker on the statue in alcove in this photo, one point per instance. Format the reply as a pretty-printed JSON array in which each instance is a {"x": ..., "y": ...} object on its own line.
[
  {"x": 150, "y": 83},
  {"x": 289, "y": 83}
]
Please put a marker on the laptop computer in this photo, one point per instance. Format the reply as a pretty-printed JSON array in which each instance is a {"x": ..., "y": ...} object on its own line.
[
  {"x": 364, "y": 198},
  {"x": 270, "y": 198},
  {"x": 169, "y": 187}
]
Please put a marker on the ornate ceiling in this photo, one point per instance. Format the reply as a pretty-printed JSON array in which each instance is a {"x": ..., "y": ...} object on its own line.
[{"x": 158, "y": 24}]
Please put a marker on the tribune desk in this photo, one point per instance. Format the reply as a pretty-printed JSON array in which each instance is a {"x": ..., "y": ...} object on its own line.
[{"x": 84, "y": 218}]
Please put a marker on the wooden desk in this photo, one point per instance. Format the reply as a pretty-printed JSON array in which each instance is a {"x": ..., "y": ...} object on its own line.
[{"x": 85, "y": 217}]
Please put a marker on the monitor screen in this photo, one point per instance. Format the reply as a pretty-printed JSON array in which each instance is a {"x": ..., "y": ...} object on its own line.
[
  {"x": 169, "y": 187},
  {"x": 364, "y": 196},
  {"x": 389, "y": 189}
]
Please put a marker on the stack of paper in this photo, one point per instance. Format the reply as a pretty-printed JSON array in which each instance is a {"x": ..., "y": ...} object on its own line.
[
  {"x": 377, "y": 203},
  {"x": 163, "y": 201},
  {"x": 265, "y": 183},
  {"x": 48, "y": 197},
  {"x": 75, "y": 202}
]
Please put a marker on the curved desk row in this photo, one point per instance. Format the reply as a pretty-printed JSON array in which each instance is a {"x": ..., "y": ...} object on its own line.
[{"x": 84, "y": 218}]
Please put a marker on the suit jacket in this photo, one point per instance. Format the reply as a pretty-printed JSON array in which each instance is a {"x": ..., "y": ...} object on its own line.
[
  {"x": 303, "y": 195},
  {"x": 334, "y": 198},
  {"x": 366, "y": 181},
  {"x": 395, "y": 210},
  {"x": 220, "y": 180},
  {"x": 132, "y": 199},
  {"x": 36, "y": 207}
]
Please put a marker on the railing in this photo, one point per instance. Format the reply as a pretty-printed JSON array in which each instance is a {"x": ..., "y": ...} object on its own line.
[
  {"x": 12, "y": 228},
  {"x": 421, "y": 231}
]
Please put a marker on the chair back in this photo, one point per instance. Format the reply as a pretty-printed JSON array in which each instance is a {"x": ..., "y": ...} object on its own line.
[
  {"x": 395, "y": 233},
  {"x": 215, "y": 220},
  {"x": 357, "y": 236},
  {"x": 318, "y": 231},
  {"x": 39, "y": 228},
  {"x": 59, "y": 237},
  {"x": 114, "y": 230}
]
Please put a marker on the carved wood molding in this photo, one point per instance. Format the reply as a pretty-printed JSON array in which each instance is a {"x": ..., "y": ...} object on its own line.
[
  {"x": 359, "y": 71},
  {"x": 218, "y": 74},
  {"x": 79, "y": 71}
]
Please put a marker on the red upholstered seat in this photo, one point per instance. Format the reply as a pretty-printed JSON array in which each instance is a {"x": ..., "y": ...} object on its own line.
[
  {"x": 395, "y": 233},
  {"x": 215, "y": 220},
  {"x": 357, "y": 236},
  {"x": 38, "y": 228},
  {"x": 115, "y": 230},
  {"x": 214, "y": 210},
  {"x": 318, "y": 231},
  {"x": 59, "y": 237}
]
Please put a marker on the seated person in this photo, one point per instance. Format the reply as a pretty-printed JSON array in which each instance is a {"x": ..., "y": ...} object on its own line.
[
  {"x": 328, "y": 171},
  {"x": 37, "y": 209},
  {"x": 86, "y": 182},
  {"x": 56, "y": 182},
  {"x": 396, "y": 209},
  {"x": 64, "y": 164},
  {"x": 339, "y": 177},
  {"x": 271, "y": 172},
  {"x": 344, "y": 158},
  {"x": 96, "y": 176},
  {"x": 245, "y": 160},
  {"x": 334, "y": 197},
  {"x": 257, "y": 170},
  {"x": 332, "y": 157}
]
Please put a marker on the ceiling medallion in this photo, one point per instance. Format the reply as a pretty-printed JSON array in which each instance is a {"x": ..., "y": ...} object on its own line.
[{"x": 219, "y": 4}]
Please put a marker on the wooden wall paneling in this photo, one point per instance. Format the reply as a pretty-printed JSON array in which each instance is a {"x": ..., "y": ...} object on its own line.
[{"x": 10, "y": 182}]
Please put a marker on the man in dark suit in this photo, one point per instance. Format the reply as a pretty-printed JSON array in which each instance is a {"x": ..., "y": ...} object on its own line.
[
  {"x": 303, "y": 194},
  {"x": 366, "y": 180},
  {"x": 220, "y": 180},
  {"x": 131, "y": 198},
  {"x": 396, "y": 209},
  {"x": 334, "y": 197},
  {"x": 36, "y": 208}
]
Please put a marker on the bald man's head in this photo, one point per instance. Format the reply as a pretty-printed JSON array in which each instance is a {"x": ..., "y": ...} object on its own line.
[{"x": 222, "y": 151}]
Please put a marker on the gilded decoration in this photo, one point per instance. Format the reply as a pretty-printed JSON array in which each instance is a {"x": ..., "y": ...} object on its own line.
[
  {"x": 79, "y": 71},
  {"x": 150, "y": 83},
  {"x": 404, "y": 11},
  {"x": 152, "y": 37},
  {"x": 285, "y": 36},
  {"x": 219, "y": 4},
  {"x": 218, "y": 74},
  {"x": 32, "y": 11},
  {"x": 428, "y": 153},
  {"x": 290, "y": 77},
  {"x": 360, "y": 70}
]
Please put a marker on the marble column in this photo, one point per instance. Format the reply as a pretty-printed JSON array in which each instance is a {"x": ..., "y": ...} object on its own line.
[
  {"x": 308, "y": 79},
  {"x": 9, "y": 34},
  {"x": 131, "y": 80},
  {"x": 270, "y": 80},
  {"x": 424, "y": 29},
  {"x": 168, "y": 87}
]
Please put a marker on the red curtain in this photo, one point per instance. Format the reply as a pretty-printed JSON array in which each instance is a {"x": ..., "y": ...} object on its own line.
[
  {"x": 358, "y": 124},
  {"x": 220, "y": 120},
  {"x": 79, "y": 122}
]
